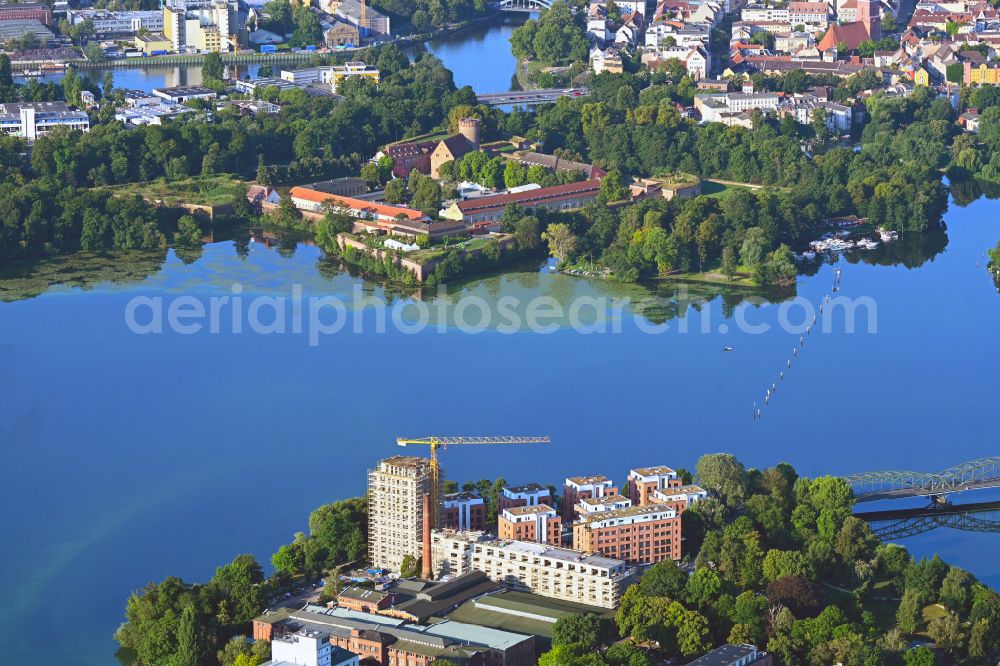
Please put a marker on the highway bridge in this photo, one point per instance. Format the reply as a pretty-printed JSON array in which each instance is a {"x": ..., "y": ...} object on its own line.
[
  {"x": 973, "y": 475},
  {"x": 902, "y": 523},
  {"x": 529, "y": 97}
]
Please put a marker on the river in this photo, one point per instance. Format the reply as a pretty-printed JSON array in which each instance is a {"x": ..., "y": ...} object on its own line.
[
  {"x": 132, "y": 457},
  {"x": 463, "y": 52}
]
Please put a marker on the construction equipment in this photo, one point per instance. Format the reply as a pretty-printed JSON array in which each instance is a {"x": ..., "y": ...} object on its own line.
[{"x": 436, "y": 443}]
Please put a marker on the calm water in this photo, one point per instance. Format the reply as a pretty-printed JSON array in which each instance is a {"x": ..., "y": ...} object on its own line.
[
  {"x": 479, "y": 57},
  {"x": 129, "y": 458}
]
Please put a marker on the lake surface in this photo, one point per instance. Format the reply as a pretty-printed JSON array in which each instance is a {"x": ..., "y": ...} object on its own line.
[{"x": 132, "y": 457}]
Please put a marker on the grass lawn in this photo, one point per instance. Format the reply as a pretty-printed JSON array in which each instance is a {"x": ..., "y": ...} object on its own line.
[
  {"x": 717, "y": 190},
  {"x": 214, "y": 190},
  {"x": 713, "y": 275},
  {"x": 933, "y": 611}
]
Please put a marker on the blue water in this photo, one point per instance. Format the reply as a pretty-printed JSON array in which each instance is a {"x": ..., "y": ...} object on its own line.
[{"x": 132, "y": 457}]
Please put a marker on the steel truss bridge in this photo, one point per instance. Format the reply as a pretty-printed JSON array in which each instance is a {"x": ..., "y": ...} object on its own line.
[
  {"x": 973, "y": 475},
  {"x": 524, "y": 5},
  {"x": 892, "y": 525},
  {"x": 529, "y": 97}
]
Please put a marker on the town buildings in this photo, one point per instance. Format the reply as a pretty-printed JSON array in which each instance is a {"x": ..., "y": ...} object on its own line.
[
  {"x": 395, "y": 507},
  {"x": 201, "y": 25},
  {"x": 18, "y": 29},
  {"x": 528, "y": 494},
  {"x": 577, "y": 488},
  {"x": 365, "y": 600},
  {"x": 483, "y": 213},
  {"x": 542, "y": 569},
  {"x": 37, "y": 11},
  {"x": 370, "y": 23},
  {"x": 463, "y": 511},
  {"x": 107, "y": 22},
  {"x": 181, "y": 94},
  {"x": 309, "y": 647},
  {"x": 31, "y": 120},
  {"x": 331, "y": 75},
  {"x": 539, "y": 523},
  {"x": 734, "y": 655},
  {"x": 636, "y": 534},
  {"x": 456, "y": 146}
]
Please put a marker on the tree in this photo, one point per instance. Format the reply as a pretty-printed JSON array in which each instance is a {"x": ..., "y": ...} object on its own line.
[
  {"x": 664, "y": 579},
  {"x": 909, "y": 613},
  {"x": 410, "y": 567},
  {"x": 569, "y": 655},
  {"x": 6, "y": 77},
  {"x": 754, "y": 247},
  {"x": 561, "y": 240},
  {"x": 724, "y": 474},
  {"x": 702, "y": 587},
  {"x": 580, "y": 628},
  {"x": 426, "y": 195},
  {"x": 188, "y": 232},
  {"x": 190, "y": 639},
  {"x": 627, "y": 654},
  {"x": 855, "y": 540},
  {"x": 212, "y": 68},
  {"x": 395, "y": 191},
  {"x": 692, "y": 634},
  {"x": 729, "y": 261},
  {"x": 798, "y": 594},
  {"x": 613, "y": 187},
  {"x": 956, "y": 589},
  {"x": 946, "y": 631},
  {"x": 239, "y": 581},
  {"x": 919, "y": 656}
]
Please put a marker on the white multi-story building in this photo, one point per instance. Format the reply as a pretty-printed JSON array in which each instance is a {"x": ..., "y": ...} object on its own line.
[
  {"x": 714, "y": 106},
  {"x": 309, "y": 647},
  {"x": 395, "y": 509},
  {"x": 31, "y": 120},
  {"x": 107, "y": 22},
  {"x": 764, "y": 13},
  {"x": 809, "y": 13},
  {"x": 201, "y": 25},
  {"x": 557, "y": 573}
]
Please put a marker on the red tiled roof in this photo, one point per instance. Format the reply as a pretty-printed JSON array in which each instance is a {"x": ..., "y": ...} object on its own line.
[
  {"x": 384, "y": 210},
  {"x": 849, "y": 34}
]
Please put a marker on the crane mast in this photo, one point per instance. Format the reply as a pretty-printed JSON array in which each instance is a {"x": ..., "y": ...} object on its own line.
[{"x": 436, "y": 443}]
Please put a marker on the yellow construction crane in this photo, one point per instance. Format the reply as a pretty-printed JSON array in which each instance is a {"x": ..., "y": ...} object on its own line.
[{"x": 443, "y": 443}]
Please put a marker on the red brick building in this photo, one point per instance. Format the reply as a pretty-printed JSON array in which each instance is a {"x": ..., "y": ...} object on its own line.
[
  {"x": 539, "y": 523},
  {"x": 26, "y": 10},
  {"x": 578, "y": 487},
  {"x": 643, "y": 481},
  {"x": 365, "y": 600},
  {"x": 529, "y": 494},
  {"x": 637, "y": 534},
  {"x": 463, "y": 511}
]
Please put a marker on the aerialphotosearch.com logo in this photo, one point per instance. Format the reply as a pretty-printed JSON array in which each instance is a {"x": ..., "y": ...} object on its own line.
[{"x": 361, "y": 312}]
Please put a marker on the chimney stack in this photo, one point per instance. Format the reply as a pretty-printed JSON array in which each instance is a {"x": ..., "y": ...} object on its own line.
[{"x": 427, "y": 571}]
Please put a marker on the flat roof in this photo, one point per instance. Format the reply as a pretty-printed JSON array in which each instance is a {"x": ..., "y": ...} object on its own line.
[
  {"x": 556, "y": 553},
  {"x": 584, "y": 480},
  {"x": 627, "y": 512},
  {"x": 185, "y": 90},
  {"x": 661, "y": 470},
  {"x": 527, "y": 510},
  {"x": 725, "y": 655},
  {"x": 607, "y": 499},
  {"x": 526, "y": 488},
  {"x": 471, "y": 633}
]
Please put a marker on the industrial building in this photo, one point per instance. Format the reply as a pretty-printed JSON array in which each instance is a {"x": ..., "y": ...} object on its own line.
[
  {"x": 395, "y": 508},
  {"x": 107, "y": 22},
  {"x": 545, "y": 570}
]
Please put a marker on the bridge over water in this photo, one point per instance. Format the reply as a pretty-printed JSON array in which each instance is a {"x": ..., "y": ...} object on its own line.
[
  {"x": 524, "y": 5},
  {"x": 529, "y": 97},
  {"x": 902, "y": 523},
  {"x": 896, "y": 484}
]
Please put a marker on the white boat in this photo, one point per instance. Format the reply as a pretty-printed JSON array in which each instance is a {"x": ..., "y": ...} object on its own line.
[{"x": 808, "y": 256}]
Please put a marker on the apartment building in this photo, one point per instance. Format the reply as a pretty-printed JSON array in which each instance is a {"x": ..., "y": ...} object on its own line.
[
  {"x": 679, "y": 498},
  {"x": 331, "y": 75},
  {"x": 590, "y": 505},
  {"x": 463, "y": 511},
  {"x": 201, "y": 25},
  {"x": 107, "y": 22},
  {"x": 577, "y": 488},
  {"x": 395, "y": 509},
  {"x": 716, "y": 107},
  {"x": 809, "y": 13},
  {"x": 637, "y": 534},
  {"x": 642, "y": 481},
  {"x": 30, "y": 120},
  {"x": 310, "y": 647},
  {"x": 545, "y": 570},
  {"x": 539, "y": 523},
  {"x": 764, "y": 13},
  {"x": 528, "y": 494}
]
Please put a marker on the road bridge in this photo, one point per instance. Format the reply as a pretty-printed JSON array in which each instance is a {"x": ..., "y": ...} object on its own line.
[
  {"x": 529, "y": 97},
  {"x": 897, "y": 484},
  {"x": 902, "y": 523},
  {"x": 525, "y": 5}
]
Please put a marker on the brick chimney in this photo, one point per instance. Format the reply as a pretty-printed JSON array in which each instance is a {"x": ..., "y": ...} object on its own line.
[{"x": 427, "y": 571}]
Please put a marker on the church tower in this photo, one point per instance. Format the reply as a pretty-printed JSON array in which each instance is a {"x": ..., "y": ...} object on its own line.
[{"x": 869, "y": 14}]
